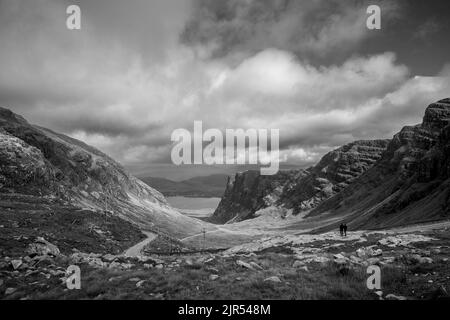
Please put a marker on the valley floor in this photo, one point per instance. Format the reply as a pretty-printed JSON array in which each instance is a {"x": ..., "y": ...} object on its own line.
[{"x": 414, "y": 265}]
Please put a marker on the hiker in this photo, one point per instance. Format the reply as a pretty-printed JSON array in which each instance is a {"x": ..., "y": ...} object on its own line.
[
  {"x": 341, "y": 229},
  {"x": 345, "y": 229}
]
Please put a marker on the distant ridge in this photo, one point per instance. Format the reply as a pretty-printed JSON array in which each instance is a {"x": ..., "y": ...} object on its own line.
[{"x": 202, "y": 187}]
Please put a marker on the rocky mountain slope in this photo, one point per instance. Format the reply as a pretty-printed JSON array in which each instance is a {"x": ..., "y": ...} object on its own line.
[
  {"x": 334, "y": 172},
  {"x": 299, "y": 190},
  {"x": 248, "y": 192},
  {"x": 39, "y": 162},
  {"x": 409, "y": 184}
]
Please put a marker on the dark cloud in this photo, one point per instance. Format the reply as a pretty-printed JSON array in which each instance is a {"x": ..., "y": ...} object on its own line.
[
  {"x": 427, "y": 29},
  {"x": 311, "y": 29}
]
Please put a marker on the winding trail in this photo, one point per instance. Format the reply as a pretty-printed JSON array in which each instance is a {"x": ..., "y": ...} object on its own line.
[{"x": 135, "y": 251}]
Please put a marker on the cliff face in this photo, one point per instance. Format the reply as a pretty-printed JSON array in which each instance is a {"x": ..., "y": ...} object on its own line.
[
  {"x": 409, "y": 184},
  {"x": 299, "y": 190},
  {"x": 39, "y": 162},
  {"x": 334, "y": 172},
  {"x": 249, "y": 192}
]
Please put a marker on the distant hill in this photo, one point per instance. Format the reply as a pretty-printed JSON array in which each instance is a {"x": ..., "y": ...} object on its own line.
[{"x": 207, "y": 186}]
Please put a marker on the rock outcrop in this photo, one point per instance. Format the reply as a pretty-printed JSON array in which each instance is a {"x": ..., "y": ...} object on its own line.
[
  {"x": 409, "y": 184},
  {"x": 39, "y": 162},
  {"x": 334, "y": 172},
  {"x": 300, "y": 190},
  {"x": 249, "y": 191}
]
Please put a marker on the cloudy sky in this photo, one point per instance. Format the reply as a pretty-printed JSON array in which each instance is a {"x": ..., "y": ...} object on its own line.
[{"x": 138, "y": 69}]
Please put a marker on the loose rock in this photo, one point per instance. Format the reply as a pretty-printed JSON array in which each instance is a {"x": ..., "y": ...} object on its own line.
[
  {"x": 394, "y": 297},
  {"x": 245, "y": 265},
  {"x": 273, "y": 279}
]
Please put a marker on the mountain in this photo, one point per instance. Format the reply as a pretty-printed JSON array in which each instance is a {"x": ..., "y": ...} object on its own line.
[
  {"x": 409, "y": 184},
  {"x": 299, "y": 190},
  {"x": 334, "y": 172},
  {"x": 38, "y": 162},
  {"x": 248, "y": 192},
  {"x": 202, "y": 187}
]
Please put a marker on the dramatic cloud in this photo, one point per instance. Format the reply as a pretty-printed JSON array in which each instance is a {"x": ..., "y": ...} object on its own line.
[
  {"x": 124, "y": 84},
  {"x": 311, "y": 29}
]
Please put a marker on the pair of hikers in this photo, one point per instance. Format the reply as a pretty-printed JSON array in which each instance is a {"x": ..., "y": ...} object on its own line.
[{"x": 343, "y": 229}]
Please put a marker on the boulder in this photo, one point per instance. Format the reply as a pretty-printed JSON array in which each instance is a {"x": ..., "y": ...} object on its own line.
[
  {"x": 16, "y": 264},
  {"x": 9, "y": 291},
  {"x": 426, "y": 260},
  {"x": 42, "y": 247},
  {"x": 92, "y": 259},
  {"x": 368, "y": 252},
  {"x": 379, "y": 293},
  {"x": 134, "y": 279},
  {"x": 213, "y": 270},
  {"x": 298, "y": 264},
  {"x": 321, "y": 259},
  {"x": 42, "y": 261},
  {"x": 355, "y": 260},
  {"x": 417, "y": 259},
  {"x": 109, "y": 257},
  {"x": 245, "y": 265},
  {"x": 273, "y": 279},
  {"x": 394, "y": 297},
  {"x": 361, "y": 253},
  {"x": 256, "y": 266},
  {"x": 340, "y": 262},
  {"x": 376, "y": 253},
  {"x": 340, "y": 259},
  {"x": 339, "y": 256},
  {"x": 304, "y": 268}
]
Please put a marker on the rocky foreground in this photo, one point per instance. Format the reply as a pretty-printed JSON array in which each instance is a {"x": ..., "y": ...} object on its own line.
[{"x": 414, "y": 265}]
